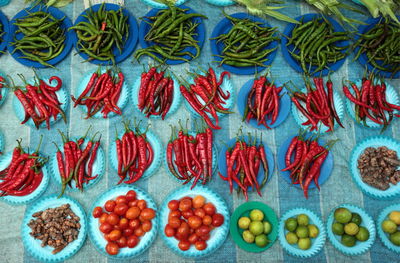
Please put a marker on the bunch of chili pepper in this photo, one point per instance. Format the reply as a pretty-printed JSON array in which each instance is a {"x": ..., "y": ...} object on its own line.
[
  {"x": 101, "y": 93},
  {"x": 156, "y": 93},
  {"x": 75, "y": 161},
  {"x": 190, "y": 157},
  {"x": 243, "y": 163},
  {"x": 172, "y": 32},
  {"x": 263, "y": 102},
  {"x": 317, "y": 105},
  {"x": 381, "y": 46},
  {"x": 315, "y": 44},
  {"x": 206, "y": 96},
  {"x": 245, "y": 44},
  {"x": 304, "y": 159},
  {"x": 103, "y": 35},
  {"x": 43, "y": 37},
  {"x": 24, "y": 173},
  {"x": 134, "y": 154},
  {"x": 40, "y": 100},
  {"x": 370, "y": 102}
]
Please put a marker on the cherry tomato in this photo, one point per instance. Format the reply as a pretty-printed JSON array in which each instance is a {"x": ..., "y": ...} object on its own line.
[
  {"x": 142, "y": 204},
  {"x": 106, "y": 237},
  {"x": 97, "y": 212},
  {"x": 123, "y": 223},
  {"x": 174, "y": 222},
  {"x": 112, "y": 248},
  {"x": 103, "y": 218},
  {"x": 132, "y": 212},
  {"x": 127, "y": 232},
  {"x": 209, "y": 209},
  {"x": 200, "y": 245},
  {"x": 121, "y": 199},
  {"x": 121, "y": 242},
  {"x": 186, "y": 197},
  {"x": 146, "y": 226},
  {"x": 191, "y": 231},
  {"x": 176, "y": 213},
  {"x": 193, "y": 238},
  {"x": 207, "y": 220},
  {"x": 130, "y": 195},
  {"x": 185, "y": 205},
  {"x": 195, "y": 222},
  {"x": 169, "y": 231},
  {"x": 113, "y": 219},
  {"x": 134, "y": 223},
  {"x": 183, "y": 230},
  {"x": 132, "y": 241},
  {"x": 110, "y": 205},
  {"x": 198, "y": 201},
  {"x": 148, "y": 213},
  {"x": 139, "y": 232},
  {"x": 187, "y": 214},
  {"x": 115, "y": 235},
  {"x": 133, "y": 203},
  {"x": 217, "y": 220},
  {"x": 203, "y": 230},
  {"x": 199, "y": 212},
  {"x": 105, "y": 228},
  {"x": 120, "y": 209},
  {"x": 205, "y": 237},
  {"x": 173, "y": 205},
  {"x": 184, "y": 245}
]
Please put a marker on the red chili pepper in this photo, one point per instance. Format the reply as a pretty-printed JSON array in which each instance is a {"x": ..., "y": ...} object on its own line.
[
  {"x": 305, "y": 113},
  {"x": 92, "y": 83},
  {"x": 57, "y": 87},
  {"x": 144, "y": 84},
  {"x": 170, "y": 96},
  {"x": 169, "y": 161},
  {"x": 292, "y": 146},
  {"x": 93, "y": 158}
]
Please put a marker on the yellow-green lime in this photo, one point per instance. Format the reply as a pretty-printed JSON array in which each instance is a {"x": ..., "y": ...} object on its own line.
[
  {"x": 395, "y": 217},
  {"x": 291, "y": 238},
  {"x": 338, "y": 228},
  {"x": 256, "y": 228},
  {"x": 363, "y": 234},
  {"x": 302, "y": 231},
  {"x": 256, "y": 215},
  {"x": 348, "y": 241},
  {"x": 244, "y": 222},
  {"x": 356, "y": 218},
  {"x": 389, "y": 226},
  {"x": 302, "y": 220},
  {"x": 313, "y": 231},
  {"x": 351, "y": 229},
  {"x": 248, "y": 237},
  {"x": 291, "y": 224},
  {"x": 304, "y": 243},
  {"x": 267, "y": 227},
  {"x": 261, "y": 240},
  {"x": 395, "y": 238},
  {"x": 342, "y": 215}
]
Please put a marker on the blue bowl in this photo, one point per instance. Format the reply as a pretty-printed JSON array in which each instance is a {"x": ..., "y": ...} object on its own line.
[
  {"x": 360, "y": 247},
  {"x": 326, "y": 168},
  {"x": 270, "y": 160},
  {"x": 200, "y": 31},
  {"x": 284, "y": 105},
  {"x": 130, "y": 43},
  {"x": 376, "y": 141},
  {"x": 33, "y": 246},
  {"x": 218, "y": 235},
  {"x": 363, "y": 59},
  {"x": 294, "y": 63},
  {"x": 223, "y": 27},
  {"x": 221, "y": 2},
  {"x": 382, "y": 235},
  {"x": 316, "y": 243},
  {"x": 3, "y": 91},
  {"x": 6, "y": 30},
  {"x": 159, "y": 5},
  {"x": 69, "y": 40},
  {"x": 97, "y": 237}
]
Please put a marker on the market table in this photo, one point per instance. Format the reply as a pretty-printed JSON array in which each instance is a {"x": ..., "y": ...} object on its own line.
[{"x": 339, "y": 188}]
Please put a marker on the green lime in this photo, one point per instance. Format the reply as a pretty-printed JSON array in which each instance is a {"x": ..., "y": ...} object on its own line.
[
  {"x": 342, "y": 215},
  {"x": 395, "y": 238},
  {"x": 395, "y": 217},
  {"x": 302, "y": 220},
  {"x": 313, "y": 231},
  {"x": 256, "y": 215},
  {"x": 256, "y": 228},
  {"x": 291, "y": 224},
  {"x": 248, "y": 237},
  {"x": 356, "y": 219},
  {"x": 351, "y": 229},
  {"x": 389, "y": 226},
  {"x": 261, "y": 240},
  {"x": 363, "y": 234},
  {"x": 267, "y": 227},
  {"x": 304, "y": 243},
  {"x": 244, "y": 222},
  {"x": 348, "y": 241},
  {"x": 302, "y": 231},
  {"x": 291, "y": 238},
  {"x": 338, "y": 228}
]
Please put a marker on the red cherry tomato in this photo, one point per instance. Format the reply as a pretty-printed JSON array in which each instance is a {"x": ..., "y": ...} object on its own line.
[
  {"x": 174, "y": 222},
  {"x": 133, "y": 203},
  {"x": 173, "y": 205},
  {"x": 121, "y": 199},
  {"x": 107, "y": 238},
  {"x": 110, "y": 205},
  {"x": 134, "y": 223},
  {"x": 132, "y": 241},
  {"x": 205, "y": 237},
  {"x": 183, "y": 231},
  {"x": 142, "y": 204},
  {"x": 115, "y": 235},
  {"x": 193, "y": 238},
  {"x": 176, "y": 213},
  {"x": 123, "y": 223},
  {"x": 217, "y": 220},
  {"x": 130, "y": 195},
  {"x": 148, "y": 214},
  {"x": 209, "y": 209},
  {"x": 198, "y": 201},
  {"x": 195, "y": 222},
  {"x": 184, "y": 245},
  {"x": 199, "y": 212},
  {"x": 200, "y": 245},
  {"x": 187, "y": 214},
  {"x": 121, "y": 242},
  {"x": 132, "y": 212},
  {"x": 127, "y": 232},
  {"x": 103, "y": 218},
  {"x": 112, "y": 248},
  {"x": 113, "y": 219},
  {"x": 185, "y": 204},
  {"x": 146, "y": 226},
  {"x": 105, "y": 228},
  {"x": 139, "y": 232},
  {"x": 203, "y": 230},
  {"x": 186, "y": 197},
  {"x": 207, "y": 220},
  {"x": 169, "y": 231},
  {"x": 120, "y": 209},
  {"x": 97, "y": 212}
]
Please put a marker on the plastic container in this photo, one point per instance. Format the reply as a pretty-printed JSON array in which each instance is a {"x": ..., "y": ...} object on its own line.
[
  {"x": 158, "y": 5},
  {"x": 6, "y": 29},
  {"x": 382, "y": 235},
  {"x": 221, "y": 2}
]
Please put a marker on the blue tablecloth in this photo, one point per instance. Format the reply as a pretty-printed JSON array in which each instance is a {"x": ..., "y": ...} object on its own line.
[{"x": 278, "y": 194}]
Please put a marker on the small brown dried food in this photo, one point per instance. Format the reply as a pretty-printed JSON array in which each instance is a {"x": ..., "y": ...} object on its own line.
[
  {"x": 55, "y": 227},
  {"x": 379, "y": 167}
]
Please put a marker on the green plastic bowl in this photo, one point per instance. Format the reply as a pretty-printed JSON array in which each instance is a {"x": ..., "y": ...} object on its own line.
[{"x": 244, "y": 210}]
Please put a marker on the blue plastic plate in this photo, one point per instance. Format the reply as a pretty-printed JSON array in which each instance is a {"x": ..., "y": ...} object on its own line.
[
  {"x": 221, "y": 2},
  {"x": 270, "y": 160},
  {"x": 158, "y": 150},
  {"x": 223, "y": 27},
  {"x": 69, "y": 40},
  {"x": 130, "y": 43},
  {"x": 5, "y": 161},
  {"x": 6, "y": 30},
  {"x": 97, "y": 237},
  {"x": 326, "y": 168},
  {"x": 3, "y": 91},
  {"x": 316, "y": 243},
  {"x": 156, "y": 4},
  {"x": 363, "y": 59},
  {"x": 376, "y": 141},
  {"x": 217, "y": 235},
  {"x": 284, "y": 105},
  {"x": 176, "y": 101},
  {"x": 123, "y": 98},
  {"x": 391, "y": 97},
  {"x": 34, "y": 245},
  {"x": 360, "y": 247},
  {"x": 200, "y": 31},
  {"x": 294, "y": 63},
  {"x": 382, "y": 235}
]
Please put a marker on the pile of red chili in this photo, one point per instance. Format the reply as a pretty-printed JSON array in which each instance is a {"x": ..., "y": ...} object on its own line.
[
  {"x": 76, "y": 161},
  {"x": 156, "y": 93},
  {"x": 304, "y": 159},
  {"x": 134, "y": 154},
  {"x": 206, "y": 96},
  {"x": 370, "y": 102},
  {"x": 101, "y": 93},
  {"x": 40, "y": 101},
  {"x": 24, "y": 173},
  {"x": 243, "y": 163},
  {"x": 262, "y": 102},
  {"x": 191, "y": 157},
  {"x": 317, "y": 105}
]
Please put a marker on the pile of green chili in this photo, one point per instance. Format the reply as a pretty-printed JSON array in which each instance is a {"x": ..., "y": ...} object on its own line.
[
  {"x": 381, "y": 44},
  {"x": 43, "y": 37},
  {"x": 104, "y": 31},
  {"x": 172, "y": 31},
  {"x": 313, "y": 44},
  {"x": 245, "y": 43}
]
